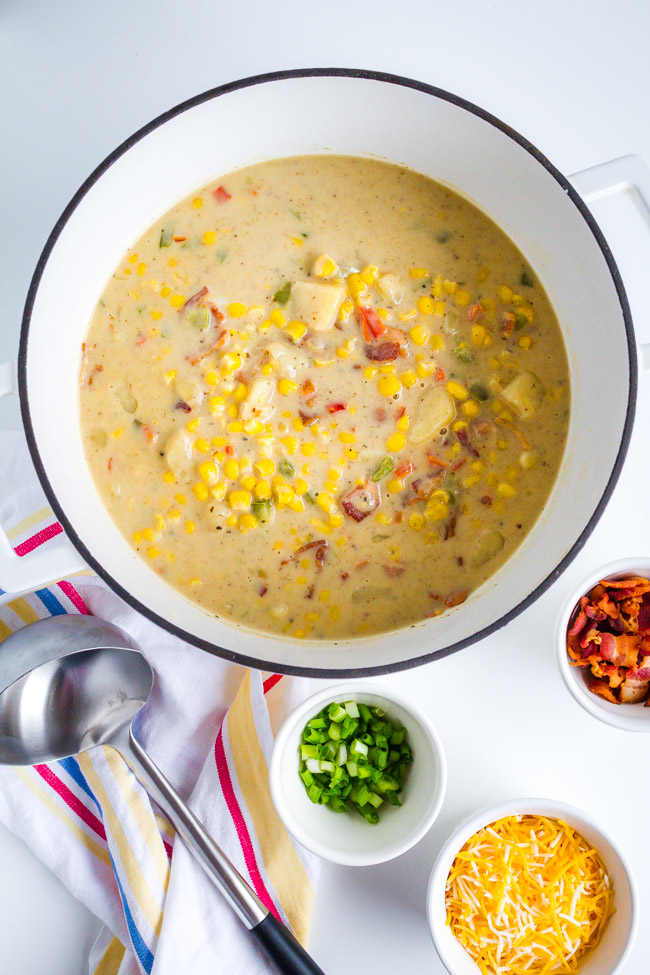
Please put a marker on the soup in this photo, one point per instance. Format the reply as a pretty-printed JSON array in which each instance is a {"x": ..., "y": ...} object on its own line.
[{"x": 324, "y": 397}]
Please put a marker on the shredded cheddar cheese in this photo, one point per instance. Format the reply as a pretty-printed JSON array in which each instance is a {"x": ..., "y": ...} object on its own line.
[{"x": 528, "y": 894}]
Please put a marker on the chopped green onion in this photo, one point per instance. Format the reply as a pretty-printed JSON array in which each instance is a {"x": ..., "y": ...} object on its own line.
[
  {"x": 283, "y": 294},
  {"x": 263, "y": 510},
  {"x": 353, "y": 756},
  {"x": 165, "y": 238},
  {"x": 520, "y": 321},
  {"x": 527, "y": 280},
  {"x": 286, "y": 468},
  {"x": 382, "y": 470}
]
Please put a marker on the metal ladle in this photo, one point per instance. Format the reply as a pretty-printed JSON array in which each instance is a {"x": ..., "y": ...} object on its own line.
[{"x": 70, "y": 682}]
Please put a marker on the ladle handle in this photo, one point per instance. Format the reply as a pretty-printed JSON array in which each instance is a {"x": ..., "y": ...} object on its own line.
[{"x": 277, "y": 941}]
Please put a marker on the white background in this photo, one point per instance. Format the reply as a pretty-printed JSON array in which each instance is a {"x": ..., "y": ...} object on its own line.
[{"x": 76, "y": 78}]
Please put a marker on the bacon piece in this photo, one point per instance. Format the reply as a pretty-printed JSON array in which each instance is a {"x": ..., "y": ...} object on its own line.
[
  {"x": 624, "y": 583},
  {"x": 601, "y": 688},
  {"x": 449, "y": 531},
  {"x": 336, "y": 407},
  {"x": 361, "y": 501},
  {"x": 263, "y": 590},
  {"x": 179, "y": 239},
  {"x": 463, "y": 437},
  {"x": 141, "y": 339},
  {"x": 483, "y": 428},
  {"x": 380, "y": 414},
  {"x": 182, "y": 405},
  {"x": 619, "y": 650},
  {"x": 384, "y": 352},
  {"x": 643, "y": 619},
  {"x": 518, "y": 434},
  {"x": 456, "y": 598},
  {"x": 593, "y": 613},
  {"x": 370, "y": 322},
  {"x": 320, "y": 544},
  {"x": 507, "y": 323},
  {"x": 307, "y": 388},
  {"x": 394, "y": 570},
  {"x": 307, "y": 418},
  {"x": 423, "y": 486},
  {"x": 221, "y": 194},
  {"x": 475, "y": 313},
  {"x": 436, "y": 461},
  {"x": 486, "y": 500},
  {"x": 439, "y": 375},
  {"x": 579, "y": 624},
  {"x": 195, "y": 299},
  {"x": 150, "y": 433},
  {"x": 110, "y": 464},
  {"x": 403, "y": 469}
]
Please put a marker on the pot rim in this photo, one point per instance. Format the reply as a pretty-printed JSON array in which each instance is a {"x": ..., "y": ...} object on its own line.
[{"x": 365, "y": 75}]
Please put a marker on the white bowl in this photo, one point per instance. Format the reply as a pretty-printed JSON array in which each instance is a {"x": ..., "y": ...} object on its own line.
[
  {"x": 627, "y": 717},
  {"x": 346, "y": 837},
  {"x": 618, "y": 936}
]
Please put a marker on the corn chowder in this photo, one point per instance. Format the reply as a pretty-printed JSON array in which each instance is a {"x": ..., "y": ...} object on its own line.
[{"x": 324, "y": 397}]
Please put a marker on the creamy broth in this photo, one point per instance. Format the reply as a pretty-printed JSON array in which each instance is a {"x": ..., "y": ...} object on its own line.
[{"x": 324, "y": 396}]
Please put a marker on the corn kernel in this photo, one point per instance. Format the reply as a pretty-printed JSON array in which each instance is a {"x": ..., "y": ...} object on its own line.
[
  {"x": 165, "y": 292},
  {"x": 278, "y": 318},
  {"x": 425, "y": 306},
  {"x": 324, "y": 595},
  {"x": 290, "y": 444},
  {"x": 356, "y": 285},
  {"x": 403, "y": 423},
  {"x": 202, "y": 445},
  {"x": 525, "y": 342},
  {"x": 137, "y": 537},
  {"x": 176, "y": 301},
  {"x": 417, "y": 273},
  {"x": 232, "y": 361},
  {"x": 463, "y": 298},
  {"x": 208, "y": 472},
  {"x": 192, "y": 425},
  {"x": 200, "y": 491},
  {"x": 369, "y": 372},
  {"x": 335, "y": 612},
  {"x": 235, "y": 426},
  {"x": 369, "y": 274},
  {"x": 396, "y": 442},
  {"x": 506, "y": 490},
  {"x": 408, "y": 379},
  {"x": 406, "y": 316},
  {"x": 388, "y": 385},
  {"x": 470, "y": 408},
  {"x": 502, "y": 444},
  {"x": 351, "y": 453},
  {"x": 471, "y": 480},
  {"x": 345, "y": 309},
  {"x": 436, "y": 511},
  {"x": 478, "y": 334},
  {"x": 286, "y": 386},
  {"x": 449, "y": 287},
  {"x": 308, "y": 449},
  {"x": 419, "y": 334},
  {"x": 347, "y": 438},
  {"x": 284, "y": 493},
  {"x": 438, "y": 307},
  {"x": 424, "y": 369},
  {"x": 209, "y": 237},
  {"x": 249, "y": 482},
  {"x": 264, "y": 467},
  {"x": 236, "y": 309},
  {"x": 150, "y": 535},
  {"x": 239, "y": 500},
  {"x": 417, "y": 521},
  {"x": 246, "y": 522},
  {"x": 324, "y": 266},
  {"x": 170, "y": 376},
  {"x": 342, "y": 352},
  {"x": 296, "y": 330},
  {"x": 504, "y": 294},
  {"x": 394, "y": 486},
  {"x": 437, "y": 342},
  {"x": 335, "y": 520},
  {"x": 457, "y": 391},
  {"x": 218, "y": 491},
  {"x": 326, "y": 502},
  {"x": 383, "y": 519},
  {"x": 262, "y": 490},
  {"x": 153, "y": 552},
  {"x": 169, "y": 478},
  {"x": 231, "y": 469},
  {"x": 217, "y": 404}
]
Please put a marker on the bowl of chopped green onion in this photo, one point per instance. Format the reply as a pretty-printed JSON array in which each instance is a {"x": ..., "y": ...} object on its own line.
[{"x": 357, "y": 775}]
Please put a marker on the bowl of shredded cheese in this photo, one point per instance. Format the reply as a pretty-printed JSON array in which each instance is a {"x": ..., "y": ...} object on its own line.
[{"x": 531, "y": 886}]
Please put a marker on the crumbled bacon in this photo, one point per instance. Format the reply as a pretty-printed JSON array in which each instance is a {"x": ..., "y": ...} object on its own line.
[
  {"x": 384, "y": 352},
  {"x": 463, "y": 437},
  {"x": 394, "y": 569},
  {"x": 608, "y": 634},
  {"x": 307, "y": 418},
  {"x": 221, "y": 194},
  {"x": 182, "y": 405},
  {"x": 320, "y": 545},
  {"x": 361, "y": 501},
  {"x": 308, "y": 388},
  {"x": 336, "y": 407},
  {"x": 370, "y": 322}
]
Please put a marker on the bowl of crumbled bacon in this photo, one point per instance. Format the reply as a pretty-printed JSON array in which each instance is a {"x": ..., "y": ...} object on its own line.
[{"x": 604, "y": 644}]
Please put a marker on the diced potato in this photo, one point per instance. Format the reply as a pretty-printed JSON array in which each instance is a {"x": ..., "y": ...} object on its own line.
[
  {"x": 489, "y": 545},
  {"x": 189, "y": 390},
  {"x": 316, "y": 305},
  {"x": 390, "y": 288},
  {"x": 257, "y": 404},
  {"x": 178, "y": 454},
  {"x": 525, "y": 393},
  {"x": 435, "y": 410},
  {"x": 290, "y": 362},
  {"x": 127, "y": 399}
]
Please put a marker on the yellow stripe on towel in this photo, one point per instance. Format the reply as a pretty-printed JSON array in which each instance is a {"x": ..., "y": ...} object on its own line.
[
  {"x": 283, "y": 865},
  {"x": 5, "y": 631},
  {"x": 141, "y": 815},
  {"x": 22, "y": 609},
  {"x": 50, "y": 803},
  {"x": 136, "y": 880},
  {"x": 111, "y": 960},
  {"x": 41, "y": 515}
]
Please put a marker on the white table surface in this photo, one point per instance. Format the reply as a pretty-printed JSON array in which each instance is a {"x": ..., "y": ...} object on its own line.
[{"x": 76, "y": 78}]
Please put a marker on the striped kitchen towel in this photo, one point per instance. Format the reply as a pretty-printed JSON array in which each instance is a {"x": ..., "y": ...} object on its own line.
[{"x": 211, "y": 729}]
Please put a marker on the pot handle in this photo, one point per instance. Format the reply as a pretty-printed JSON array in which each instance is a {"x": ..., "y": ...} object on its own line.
[
  {"x": 626, "y": 174},
  {"x": 23, "y": 573}
]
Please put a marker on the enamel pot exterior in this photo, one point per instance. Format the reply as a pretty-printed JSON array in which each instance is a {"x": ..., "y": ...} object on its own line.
[{"x": 358, "y": 113}]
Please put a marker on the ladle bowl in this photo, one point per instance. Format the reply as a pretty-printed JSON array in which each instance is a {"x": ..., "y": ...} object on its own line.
[{"x": 73, "y": 682}]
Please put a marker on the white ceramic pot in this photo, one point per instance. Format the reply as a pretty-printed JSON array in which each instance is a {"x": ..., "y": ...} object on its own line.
[{"x": 356, "y": 113}]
